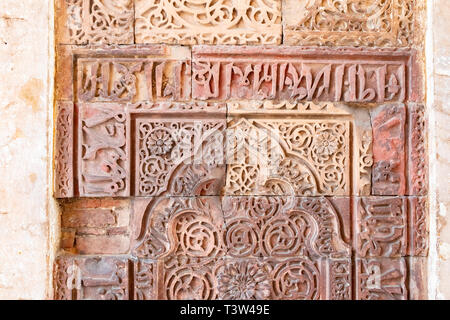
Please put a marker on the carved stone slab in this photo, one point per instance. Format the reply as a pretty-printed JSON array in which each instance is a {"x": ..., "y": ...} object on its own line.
[
  {"x": 389, "y": 169},
  {"x": 297, "y": 149},
  {"x": 102, "y": 150},
  {"x": 377, "y": 23},
  {"x": 123, "y": 73},
  {"x": 381, "y": 279},
  {"x": 419, "y": 226},
  {"x": 145, "y": 280},
  {"x": 208, "y": 21},
  {"x": 91, "y": 278},
  {"x": 181, "y": 154},
  {"x": 194, "y": 250},
  {"x": 380, "y": 227},
  {"x": 302, "y": 74},
  {"x": 63, "y": 185},
  {"x": 417, "y": 152},
  {"x": 143, "y": 149},
  {"x": 95, "y": 21}
]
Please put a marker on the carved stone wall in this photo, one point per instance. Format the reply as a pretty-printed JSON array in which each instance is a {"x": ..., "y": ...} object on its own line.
[{"x": 254, "y": 149}]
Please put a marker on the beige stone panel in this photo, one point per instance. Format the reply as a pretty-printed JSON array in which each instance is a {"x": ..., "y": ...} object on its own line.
[
  {"x": 208, "y": 21},
  {"x": 302, "y": 149},
  {"x": 26, "y": 234},
  {"x": 94, "y": 21},
  {"x": 377, "y": 23}
]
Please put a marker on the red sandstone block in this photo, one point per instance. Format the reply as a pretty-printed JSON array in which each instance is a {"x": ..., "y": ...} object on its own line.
[
  {"x": 380, "y": 227},
  {"x": 117, "y": 231},
  {"x": 88, "y": 218},
  {"x": 145, "y": 280},
  {"x": 64, "y": 144},
  {"x": 381, "y": 279},
  {"x": 104, "y": 244},
  {"x": 301, "y": 73},
  {"x": 389, "y": 168},
  {"x": 67, "y": 239},
  {"x": 275, "y": 227},
  {"x": 85, "y": 203},
  {"x": 417, "y": 150},
  {"x": 418, "y": 278},
  {"x": 93, "y": 278},
  {"x": 418, "y": 224}
]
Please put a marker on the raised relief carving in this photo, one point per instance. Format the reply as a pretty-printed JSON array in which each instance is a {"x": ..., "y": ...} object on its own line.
[
  {"x": 388, "y": 125},
  {"x": 418, "y": 226},
  {"x": 223, "y": 73},
  {"x": 178, "y": 155},
  {"x": 380, "y": 23},
  {"x": 282, "y": 227},
  {"x": 381, "y": 227},
  {"x": 297, "y": 156},
  {"x": 418, "y": 162},
  {"x": 145, "y": 277},
  {"x": 340, "y": 286},
  {"x": 95, "y": 21},
  {"x": 185, "y": 236},
  {"x": 132, "y": 80},
  {"x": 98, "y": 278},
  {"x": 256, "y": 192},
  {"x": 296, "y": 237},
  {"x": 365, "y": 162},
  {"x": 196, "y": 224},
  {"x": 102, "y": 151},
  {"x": 381, "y": 279},
  {"x": 302, "y": 157},
  {"x": 64, "y": 150},
  {"x": 243, "y": 280},
  {"x": 208, "y": 21}
]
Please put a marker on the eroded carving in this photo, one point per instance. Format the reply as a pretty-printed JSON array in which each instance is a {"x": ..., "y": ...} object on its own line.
[
  {"x": 288, "y": 157},
  {"x": 132, "y": 80},
  {"x": 102, "y": 151},
  {"x": 381, "y": 227},
  {"x": 381, "y": 279},
  {"x": 64, "y": 150},
  {"x": 418, "y": 164},
  {"x": 418, "y": 226},
  {"x": 208, "y": 22},
  {"x": 145, "y": 280},
  {"x": 262, "y": 74},
  {"x": 388, "y": 126},
  {"x": 96, "y": 21},
  {"x": 99, "y": 278},
  {"x": 381, "y": 23},
  {"x": 179, "y": 156}
]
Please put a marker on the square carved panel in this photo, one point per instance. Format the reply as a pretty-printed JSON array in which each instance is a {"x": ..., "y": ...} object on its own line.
[
  {"x": 379, "y": 23},
  {"x": 297, "y": 149},
  {"x": 95, "y": 21}
]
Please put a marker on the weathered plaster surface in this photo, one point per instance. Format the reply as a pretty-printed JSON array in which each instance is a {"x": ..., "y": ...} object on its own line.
[
  {"x": 438, "y": 69},
  {"x": 25, "y": 122}
]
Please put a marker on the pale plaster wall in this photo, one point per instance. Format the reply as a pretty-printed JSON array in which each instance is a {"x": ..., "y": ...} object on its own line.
[
  {"x": 27, "y": 213},
  {"x": 438, "y": 100}
]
